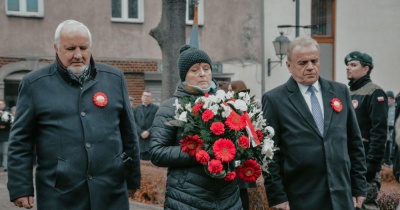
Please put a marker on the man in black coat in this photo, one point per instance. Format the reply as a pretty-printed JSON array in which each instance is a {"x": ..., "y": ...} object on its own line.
[
  {"x": 371, "y": 106},
  {"x": 77, "y": 114},
  {"x": 320, "y": 163},
  {"x": 144, "y": 115}
]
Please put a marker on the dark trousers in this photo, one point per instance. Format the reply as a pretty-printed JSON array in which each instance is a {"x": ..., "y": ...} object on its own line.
[{"x": 244, "y": 196}]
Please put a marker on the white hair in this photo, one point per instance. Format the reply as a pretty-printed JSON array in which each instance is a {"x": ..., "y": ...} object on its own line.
[
  {"x": 301, "y": 41},
  {"x": 71, "y": 26}
]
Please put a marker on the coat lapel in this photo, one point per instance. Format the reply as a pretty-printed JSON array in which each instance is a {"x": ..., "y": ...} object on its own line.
[
  {"x": 327, "y": 96},
  {"x": 297, "y": 99}
]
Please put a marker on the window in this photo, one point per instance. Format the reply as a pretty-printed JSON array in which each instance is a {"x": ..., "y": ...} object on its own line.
[
  {"x": 26, "y": 8},
  {"x": 190, "y": 12},
  {"x": 322, "y": 17},
  {"x": 127, "y": 11}
]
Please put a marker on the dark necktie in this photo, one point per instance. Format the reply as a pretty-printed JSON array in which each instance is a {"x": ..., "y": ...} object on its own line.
[{"x": 316, "y": 110}]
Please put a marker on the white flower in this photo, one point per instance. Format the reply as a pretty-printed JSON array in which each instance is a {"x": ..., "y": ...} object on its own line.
[
  {"x": 7, "y": 117},
  {"x": 239, "y": 104},
  {"x": 259, "y": 122},
  {"x": 188, "y": 107},
  {"x": 183, "y": 116},
  {"x": 177, "y": 104},
  {"x": 220, "y": 94},
  {"x": 214, "y": 108},
  {"x": 268, "y": 148},
  {"x": 226, "y": 110},
  {"x": 271, "y": 131},
  {"x": 229, "y": 95},
  {"x": 244, "y": 96}
]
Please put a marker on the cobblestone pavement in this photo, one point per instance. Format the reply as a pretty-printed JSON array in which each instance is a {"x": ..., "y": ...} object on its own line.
[{"x": 5, "y": 203}]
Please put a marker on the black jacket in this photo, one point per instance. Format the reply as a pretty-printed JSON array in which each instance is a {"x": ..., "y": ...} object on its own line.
[
  {"x": 78, "y": 143},
  {"x": 188, "y": 186},
  {"x": 371, "y": 107},
  {"x": 144, "y": 117}
]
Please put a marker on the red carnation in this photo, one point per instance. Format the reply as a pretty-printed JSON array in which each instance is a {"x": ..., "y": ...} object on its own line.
[
  {"x": 215, "y": 166},
  {"x": 249, "y": 171},
  {"x": 191, "y": 144},
  {"x": 217, "y": 128},
  {"x": 196, "y": 109},
  {"x": 206, "y": 94},
  {"x": 243, "y": 142},
  {"x": 224, "y": 149},
  {"x": 207, "y": 115},
  {"x": 260, "y": 135},
  {"x": 235, "y": 122},
  {"x": 230, "y": 176},
  {"x": 202, "y": 157}
]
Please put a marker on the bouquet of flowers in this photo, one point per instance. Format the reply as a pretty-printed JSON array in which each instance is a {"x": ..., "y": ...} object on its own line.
[{"x": 227, "y": 133}]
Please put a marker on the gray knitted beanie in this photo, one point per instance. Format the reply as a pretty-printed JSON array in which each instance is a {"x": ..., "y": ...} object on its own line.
[{"x": 188, "y": 57}]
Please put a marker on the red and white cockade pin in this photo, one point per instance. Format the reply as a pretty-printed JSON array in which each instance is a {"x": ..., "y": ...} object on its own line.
[
  {"x": 100, "y": 99},
  {"x": 336, "y": 105}
]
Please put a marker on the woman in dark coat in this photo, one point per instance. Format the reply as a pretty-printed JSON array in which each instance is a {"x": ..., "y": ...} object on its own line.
[{"x": 188, "y": 186}]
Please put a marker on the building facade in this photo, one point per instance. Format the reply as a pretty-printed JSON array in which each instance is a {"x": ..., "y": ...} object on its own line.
[
  {"x": 120, "y": 31},
  {"x": 237, "y": 34},
  {"x": 343, "y": 26}
]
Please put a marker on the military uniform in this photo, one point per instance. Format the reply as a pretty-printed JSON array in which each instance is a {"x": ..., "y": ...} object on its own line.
[{"x": 371, "y": 108}]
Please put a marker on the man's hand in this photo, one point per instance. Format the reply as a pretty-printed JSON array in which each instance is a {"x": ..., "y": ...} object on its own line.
[
  {"x": 145, "y": 134},
  {"x": 131, "y": 193},
  {"x": 282, "y": 206},
  {"x": 358, "y": 201},
  {"x": 26, "y": 202}
]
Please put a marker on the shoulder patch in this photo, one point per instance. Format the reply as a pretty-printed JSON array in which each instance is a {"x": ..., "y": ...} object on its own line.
[{"x": 381, "y": 99}]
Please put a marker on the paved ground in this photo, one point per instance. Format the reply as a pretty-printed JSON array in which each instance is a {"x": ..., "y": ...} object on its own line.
[{"x": 5, "y": 204}]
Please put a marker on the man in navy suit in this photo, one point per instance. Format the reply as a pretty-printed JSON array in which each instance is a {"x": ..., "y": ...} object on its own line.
[{"x": 320, "y": 163}]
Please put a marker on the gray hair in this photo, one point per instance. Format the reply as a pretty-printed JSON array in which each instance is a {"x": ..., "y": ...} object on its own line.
[
  {"x": 301, "y": 41},
  {"x": 70, "y": 26}
]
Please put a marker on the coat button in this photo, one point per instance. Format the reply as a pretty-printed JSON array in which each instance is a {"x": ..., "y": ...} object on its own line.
[
  {"x": 89, "y": 177},
  {"x": 83, "y": 114},
  {"x": 87, "y": 145}
]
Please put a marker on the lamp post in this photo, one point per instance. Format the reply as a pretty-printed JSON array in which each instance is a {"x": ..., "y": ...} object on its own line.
[{"x": 281, "y": 45}]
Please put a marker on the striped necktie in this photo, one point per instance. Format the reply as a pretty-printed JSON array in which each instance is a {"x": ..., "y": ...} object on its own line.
[{"x": 316, "y": 110}]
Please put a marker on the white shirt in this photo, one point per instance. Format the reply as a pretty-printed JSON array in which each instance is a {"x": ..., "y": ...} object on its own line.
[{"x": 307, "y": 95}]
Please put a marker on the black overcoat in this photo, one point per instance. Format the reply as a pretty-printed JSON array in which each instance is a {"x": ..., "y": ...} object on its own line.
[
  {"x": 144, "y": 117},
  {"x": 314, "y": 171},
  {"x": 79, "y": 144}
]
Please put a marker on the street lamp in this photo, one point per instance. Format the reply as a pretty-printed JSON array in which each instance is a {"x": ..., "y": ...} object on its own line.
[{"x": 281, "y": 45}]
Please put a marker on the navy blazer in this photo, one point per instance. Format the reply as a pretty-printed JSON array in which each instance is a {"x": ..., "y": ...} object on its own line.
[{"x": 310, "y": 170}]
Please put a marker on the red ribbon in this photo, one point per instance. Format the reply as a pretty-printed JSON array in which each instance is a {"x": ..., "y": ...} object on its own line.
[{"x": 250, "y": 129}]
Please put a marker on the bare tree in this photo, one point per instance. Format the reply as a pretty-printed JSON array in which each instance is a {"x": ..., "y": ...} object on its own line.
[{"x": 170, "y": 35}]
